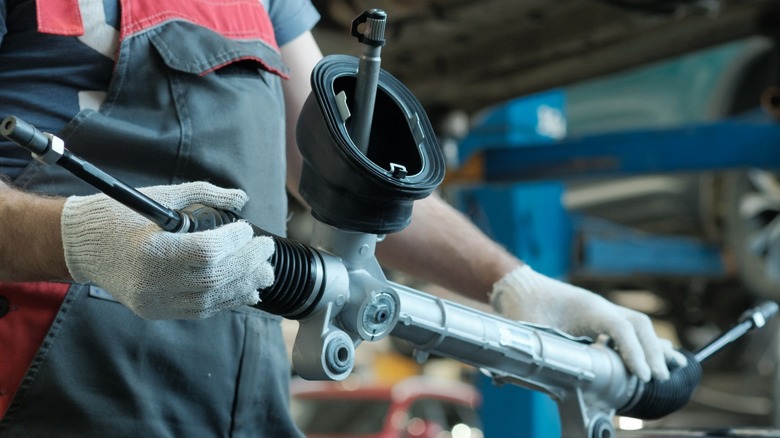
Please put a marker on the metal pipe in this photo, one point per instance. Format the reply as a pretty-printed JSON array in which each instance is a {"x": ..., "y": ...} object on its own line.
[{"x": 367, "y": 75}]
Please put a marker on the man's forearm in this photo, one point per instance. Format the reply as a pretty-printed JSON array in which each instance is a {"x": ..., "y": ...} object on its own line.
[
  {"x": 444, "y": 247},
  {"x": 30, "y": 237}
]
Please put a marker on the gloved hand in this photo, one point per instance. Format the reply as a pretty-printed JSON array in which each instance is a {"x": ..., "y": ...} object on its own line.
[
  {"x": 163, "y": 275},
  {"x": 526, "y": 295}
]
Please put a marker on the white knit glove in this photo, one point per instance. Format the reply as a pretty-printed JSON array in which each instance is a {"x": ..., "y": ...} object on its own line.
[
  {"x": 526, "y": 295},
  {"x": 163, "y": 275}
]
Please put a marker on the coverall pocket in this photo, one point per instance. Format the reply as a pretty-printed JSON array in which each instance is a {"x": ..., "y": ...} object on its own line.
[{"x": 189, "y": 48}]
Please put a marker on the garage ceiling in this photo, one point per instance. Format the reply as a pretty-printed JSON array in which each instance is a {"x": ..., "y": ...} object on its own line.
[{"x": 469, "y": 54}]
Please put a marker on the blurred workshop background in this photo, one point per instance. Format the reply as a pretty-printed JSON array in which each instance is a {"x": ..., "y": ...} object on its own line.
[{"x": 628, "y": 146}]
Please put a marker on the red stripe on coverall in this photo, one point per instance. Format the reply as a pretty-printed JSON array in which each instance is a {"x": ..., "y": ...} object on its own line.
[
  {"x": 59, "y": 17},
  {"x": 237, "y": 19},
  {"x": 32, "y": 309}
]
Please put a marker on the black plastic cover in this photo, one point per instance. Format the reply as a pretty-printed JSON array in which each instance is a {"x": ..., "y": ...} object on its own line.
[{"x": 371, "y": 193}]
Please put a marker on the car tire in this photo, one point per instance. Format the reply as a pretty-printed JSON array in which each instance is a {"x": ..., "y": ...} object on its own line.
[{"x": 752, "y": 225}]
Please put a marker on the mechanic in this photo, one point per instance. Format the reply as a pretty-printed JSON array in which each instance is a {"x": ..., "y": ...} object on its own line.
[{"x": 111, "y": 327}]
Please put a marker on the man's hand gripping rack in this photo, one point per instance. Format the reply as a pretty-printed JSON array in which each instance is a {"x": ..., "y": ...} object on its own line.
[{"x": 335, "y": 287}]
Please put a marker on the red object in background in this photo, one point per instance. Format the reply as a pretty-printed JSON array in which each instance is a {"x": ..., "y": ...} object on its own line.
[{"x": 417, "y": 407}]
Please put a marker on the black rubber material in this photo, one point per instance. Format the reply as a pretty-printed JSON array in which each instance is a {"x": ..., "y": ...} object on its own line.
[
  {"x": 366, "y": 193},
  {"x": 659, "y": 399}
]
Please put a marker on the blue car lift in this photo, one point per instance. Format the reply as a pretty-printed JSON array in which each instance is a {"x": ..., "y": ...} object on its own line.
[
  {"x": 510, "y": 185},
  {"x": 747, "y": 141}
]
